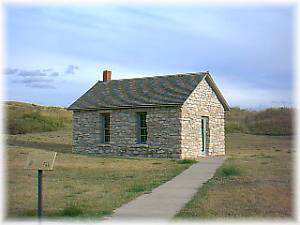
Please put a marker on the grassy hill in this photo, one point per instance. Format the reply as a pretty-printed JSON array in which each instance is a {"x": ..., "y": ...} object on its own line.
[
  {"x": 27, "y": 118},
  {"x": 271, "y": 121}
]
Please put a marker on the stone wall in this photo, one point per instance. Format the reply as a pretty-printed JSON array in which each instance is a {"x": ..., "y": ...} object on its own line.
[
  {"x": 163, "y": 124},
  {"x": 202, "y": 102}
]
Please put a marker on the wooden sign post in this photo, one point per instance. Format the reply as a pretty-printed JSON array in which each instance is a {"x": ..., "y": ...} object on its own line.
[
  {"x": 40, "y": 161},
  {"x": 40, "y": 194}
]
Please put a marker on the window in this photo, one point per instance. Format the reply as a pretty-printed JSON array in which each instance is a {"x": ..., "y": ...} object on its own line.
[
  {"x": 106, "y": 128},
  {"x": 141, "y": 127}
]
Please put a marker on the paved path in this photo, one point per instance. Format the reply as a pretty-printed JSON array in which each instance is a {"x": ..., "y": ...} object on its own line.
[{"x": 166, "y": 200}]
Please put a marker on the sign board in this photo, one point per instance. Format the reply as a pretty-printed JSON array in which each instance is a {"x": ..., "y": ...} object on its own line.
[{"x": 40, "y": 160}]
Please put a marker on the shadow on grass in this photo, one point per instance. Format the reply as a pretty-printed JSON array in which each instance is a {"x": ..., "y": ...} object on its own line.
[
  {"x": 137, "y": 189},
  {"x": 70, "y": 211},
  {"x": 262, "y": 156},
  {"x": 63, "y": 148}
]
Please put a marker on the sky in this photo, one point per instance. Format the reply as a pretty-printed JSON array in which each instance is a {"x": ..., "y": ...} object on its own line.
[{"x": 54, "y": 54}]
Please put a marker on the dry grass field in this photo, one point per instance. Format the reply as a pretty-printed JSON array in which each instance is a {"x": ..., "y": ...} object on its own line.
[
  {"x": 255, "y": 181},
  {"x": 80, "y": 185}
]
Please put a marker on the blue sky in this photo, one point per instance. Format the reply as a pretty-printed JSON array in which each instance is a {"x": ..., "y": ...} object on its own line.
[{"x": 56, "y": 53}]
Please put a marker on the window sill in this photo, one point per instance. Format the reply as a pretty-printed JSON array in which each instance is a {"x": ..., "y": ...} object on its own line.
[
  {"x": 104, "y": 145},
  {"x": 140, "y": 145}
]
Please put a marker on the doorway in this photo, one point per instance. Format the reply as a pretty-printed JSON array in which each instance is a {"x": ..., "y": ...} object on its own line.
[{"x": 205, "y": 135}]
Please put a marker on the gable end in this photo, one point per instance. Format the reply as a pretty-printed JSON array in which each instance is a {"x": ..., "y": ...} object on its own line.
[{"x": 217, "y": 91}]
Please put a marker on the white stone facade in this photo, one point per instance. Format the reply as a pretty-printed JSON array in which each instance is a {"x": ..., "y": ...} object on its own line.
[{"x": 202, "y": 102}]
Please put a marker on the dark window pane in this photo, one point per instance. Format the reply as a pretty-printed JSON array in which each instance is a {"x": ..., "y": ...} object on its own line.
[
  {"x": 143, "y": 120},
  {"x": 143, "y": 124},
  {"x": 106, "y": 121},
  {"x": 142, "y": 129},
  {"x": 106, "y": 128},
  {"x": 143, "y": 139},
  {"x": 106, "y": 139}
]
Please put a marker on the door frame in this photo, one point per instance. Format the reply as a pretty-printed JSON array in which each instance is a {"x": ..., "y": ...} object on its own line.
[{"x": 204, "y": 129}]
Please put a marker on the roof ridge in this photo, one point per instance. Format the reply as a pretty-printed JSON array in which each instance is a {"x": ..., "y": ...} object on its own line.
[{"x": 159, "y": 76}]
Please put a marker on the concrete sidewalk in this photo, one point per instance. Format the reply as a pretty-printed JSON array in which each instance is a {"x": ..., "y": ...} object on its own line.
[{"x": 166, "y": 200}]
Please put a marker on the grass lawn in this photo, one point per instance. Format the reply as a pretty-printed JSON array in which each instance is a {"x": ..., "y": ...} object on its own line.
[
  {"x": 80, "y": 185},
  {"x": 254, "y": 181}
]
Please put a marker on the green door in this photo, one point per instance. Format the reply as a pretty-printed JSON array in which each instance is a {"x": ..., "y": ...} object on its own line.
[{"x": 205, "y": 135}]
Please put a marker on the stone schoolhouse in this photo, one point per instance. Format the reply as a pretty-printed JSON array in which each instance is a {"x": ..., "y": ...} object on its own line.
[{"x": 173, "y": 116}]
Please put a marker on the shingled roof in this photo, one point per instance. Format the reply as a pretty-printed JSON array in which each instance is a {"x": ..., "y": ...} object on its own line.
[{"x": 143, "y": 92}]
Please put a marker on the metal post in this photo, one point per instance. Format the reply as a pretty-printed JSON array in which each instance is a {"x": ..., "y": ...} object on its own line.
[{"x": 40, "y": 194}]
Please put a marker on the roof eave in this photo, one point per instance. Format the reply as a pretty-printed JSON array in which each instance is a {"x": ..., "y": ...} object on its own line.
[{"x": 125, "y": 107}]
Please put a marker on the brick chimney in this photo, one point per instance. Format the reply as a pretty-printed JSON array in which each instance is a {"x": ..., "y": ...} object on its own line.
[{"x": 106, "y": 75}]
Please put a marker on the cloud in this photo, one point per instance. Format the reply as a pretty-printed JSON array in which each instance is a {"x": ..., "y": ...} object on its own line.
[
  {"x": 54, "y": 74},
  {"x": 71, "y": 69},
  {"x": 10, "y": 71},
  {"x": 47, "y": 70},
  {"x": 48, "y": 86},
  {"x": 38, "y": 78},
  {"x": 32, "y": 73},
  {"x": 35, "y": 82},
  {"x": 29, "y": 73}
]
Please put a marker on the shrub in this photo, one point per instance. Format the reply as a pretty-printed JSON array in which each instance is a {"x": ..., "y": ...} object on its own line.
[
  {"x": 229, "y": 170},
  {"x": 186, "y": 161},
  {"x": 104, "y": 213},
  {"x": 271, "y": 121},
  {"x": 72, "y": 210}
]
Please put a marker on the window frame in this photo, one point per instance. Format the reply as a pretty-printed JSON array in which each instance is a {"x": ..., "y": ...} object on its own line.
[
  {"x": 105, "y": 128},
  {"x": 205, "y": 133},
  {"x": 142, "y": 129}
]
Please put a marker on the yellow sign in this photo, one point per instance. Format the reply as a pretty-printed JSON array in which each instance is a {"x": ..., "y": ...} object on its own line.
[{"x": 40, "y": 160}]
